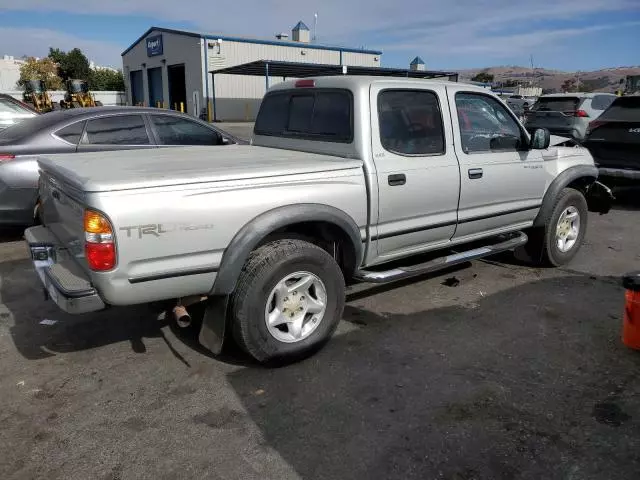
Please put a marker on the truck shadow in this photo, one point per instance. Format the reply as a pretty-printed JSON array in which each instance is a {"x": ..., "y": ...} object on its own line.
[
  {"x": 22, "y": 295},
  {"x": 531, "y": 382},
  {"x": 11, "y": 234}
]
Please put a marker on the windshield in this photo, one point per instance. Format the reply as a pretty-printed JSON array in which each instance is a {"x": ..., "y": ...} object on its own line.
[
  {"x": 35, "y": 86},
  {"x": 7, "y": 106},
  {"x": 78, "y": 86}
]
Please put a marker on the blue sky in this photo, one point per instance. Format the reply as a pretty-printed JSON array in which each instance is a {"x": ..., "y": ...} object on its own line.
[{"x": 447, "y": 34}]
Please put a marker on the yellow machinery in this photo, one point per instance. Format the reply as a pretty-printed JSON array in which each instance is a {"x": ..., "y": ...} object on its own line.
[
  {"x": 78, "y": 95},
  {"x": 35, "y": 93}
]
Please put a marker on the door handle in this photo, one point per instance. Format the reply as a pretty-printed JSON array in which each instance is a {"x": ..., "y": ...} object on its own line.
[
  {"x": 397, "y": 179},
  {"x": 475, "y": 173}
]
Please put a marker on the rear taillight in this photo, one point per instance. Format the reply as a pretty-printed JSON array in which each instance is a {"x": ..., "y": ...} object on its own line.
[
  {"x": 305, "y": 84},
  {"x": 99, "y": 246},
  {"x": 5, "y": 157},
  {"x": 581, "y": 114}
]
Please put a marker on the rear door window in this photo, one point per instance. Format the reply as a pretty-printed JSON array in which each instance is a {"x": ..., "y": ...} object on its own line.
[
  {"x": 71, "y": 133},
  {"x": 181, "y": 131},
  {"x": 323, "y": 115},
  {"x": 410, "y": 122},
  {"x": 117, "y": 130}
]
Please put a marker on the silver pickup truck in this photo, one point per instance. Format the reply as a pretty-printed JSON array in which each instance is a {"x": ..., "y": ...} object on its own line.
[{"x": 347, "y": 178}]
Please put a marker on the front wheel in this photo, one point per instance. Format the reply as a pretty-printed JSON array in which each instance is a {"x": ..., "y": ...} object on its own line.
[
  {"x": 559, "y": 240},
  {"x": 288, "y": 301}
]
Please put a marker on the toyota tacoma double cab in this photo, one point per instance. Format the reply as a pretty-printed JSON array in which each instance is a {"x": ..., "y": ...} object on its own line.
[{"x": 346, "y": 179}]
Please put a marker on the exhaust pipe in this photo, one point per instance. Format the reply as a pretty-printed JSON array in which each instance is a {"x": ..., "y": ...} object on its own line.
[{"x": 182, "y": 317}]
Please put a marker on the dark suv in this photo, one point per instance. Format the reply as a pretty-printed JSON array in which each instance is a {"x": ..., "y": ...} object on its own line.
[{"x": 614, "y": 139}]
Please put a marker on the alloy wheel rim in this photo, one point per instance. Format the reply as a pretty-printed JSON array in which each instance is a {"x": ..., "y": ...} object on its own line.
[{"x": 295, "y": 307}]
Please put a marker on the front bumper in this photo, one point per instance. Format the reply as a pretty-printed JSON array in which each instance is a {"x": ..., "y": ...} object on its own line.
[{"x": 63, "y": 280}]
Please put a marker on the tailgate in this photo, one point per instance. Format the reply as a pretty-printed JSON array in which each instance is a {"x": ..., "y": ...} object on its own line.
[
  {"x": 62, "y": 208},
  {"x": 616, "y": 145}
]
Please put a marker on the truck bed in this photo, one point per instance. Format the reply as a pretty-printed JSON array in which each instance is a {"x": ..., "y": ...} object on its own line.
[{"x": 130, "y": 169}]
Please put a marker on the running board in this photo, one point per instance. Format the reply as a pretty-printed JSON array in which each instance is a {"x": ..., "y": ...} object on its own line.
[{"x": 512, "y": 242}]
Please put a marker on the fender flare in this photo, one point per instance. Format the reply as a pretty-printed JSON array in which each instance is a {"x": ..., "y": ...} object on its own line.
[
  {"x": 251, "y": 234},
  {"x": 561, "y": 181}
]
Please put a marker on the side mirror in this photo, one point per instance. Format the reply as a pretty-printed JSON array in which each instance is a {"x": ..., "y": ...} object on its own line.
[{"x": 540, "y": 139}]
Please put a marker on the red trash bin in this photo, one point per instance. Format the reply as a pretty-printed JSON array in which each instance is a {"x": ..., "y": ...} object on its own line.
[{"x": 631, "y": 322}]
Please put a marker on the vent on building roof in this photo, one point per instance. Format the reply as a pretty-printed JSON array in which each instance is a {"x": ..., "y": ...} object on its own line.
[{"x": 300, "y": 33}]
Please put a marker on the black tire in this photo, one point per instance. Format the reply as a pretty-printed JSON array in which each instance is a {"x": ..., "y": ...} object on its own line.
[
  {"x": 265, "y": 268},
  {"x": 76, "y": 104},
  {"x": 542, "y": 246},
  {"x": 98, "y": 103}
]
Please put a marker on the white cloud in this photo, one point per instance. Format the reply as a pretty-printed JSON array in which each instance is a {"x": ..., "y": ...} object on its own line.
[
  {"x": 458, "y": 26},
  {"x": 36, "y": 42}
]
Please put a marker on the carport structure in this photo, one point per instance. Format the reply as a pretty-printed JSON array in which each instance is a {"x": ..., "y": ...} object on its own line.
[{"x": 268, "y": 68}]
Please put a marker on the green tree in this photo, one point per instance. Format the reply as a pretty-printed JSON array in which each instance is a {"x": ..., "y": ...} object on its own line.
[
  {"x": 44, "y": 69},
  {"x": 71, "y": 65},
  {"x": 483, "y": 77},
  {"x": 103, "y": 79},
  {"x": 569, "y": 86}
]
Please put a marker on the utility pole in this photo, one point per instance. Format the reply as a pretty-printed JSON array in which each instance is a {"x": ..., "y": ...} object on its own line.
[{"x": 315, "y": 27}]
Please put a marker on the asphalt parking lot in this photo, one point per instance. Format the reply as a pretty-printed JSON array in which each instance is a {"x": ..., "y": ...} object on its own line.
[{"x": 493, "y": 371}]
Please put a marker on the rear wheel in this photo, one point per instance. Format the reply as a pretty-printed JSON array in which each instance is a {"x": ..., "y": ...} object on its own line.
[
  {"x": 559, "y": 240},
  {"x": 288, "y": 301}
]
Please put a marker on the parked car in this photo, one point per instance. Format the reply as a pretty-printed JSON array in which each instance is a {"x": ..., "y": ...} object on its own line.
[
  {"x": 567, "y": 114},
  {"x": 346, "y": 178},
  {"x": 519, "y": 102},
  {"x": 13, "y": 111},
  {"x": 86, "y": 130},
  {"x": 614, "y": 140}
]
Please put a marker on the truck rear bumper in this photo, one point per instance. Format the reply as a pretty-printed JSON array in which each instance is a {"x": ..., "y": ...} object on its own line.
[{"x": 63, "y": 281}]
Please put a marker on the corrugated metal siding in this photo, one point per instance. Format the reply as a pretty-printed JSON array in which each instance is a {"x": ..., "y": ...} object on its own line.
[{"x": 237, "y": 97}]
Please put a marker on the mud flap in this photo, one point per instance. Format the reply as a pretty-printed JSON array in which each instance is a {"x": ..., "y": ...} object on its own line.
[
  {"x": 214, "y": 323},
  {"x": 599, "y": 198}
]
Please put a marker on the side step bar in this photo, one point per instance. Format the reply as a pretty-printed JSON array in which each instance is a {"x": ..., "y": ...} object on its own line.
[{"x": 509, "y": 242}]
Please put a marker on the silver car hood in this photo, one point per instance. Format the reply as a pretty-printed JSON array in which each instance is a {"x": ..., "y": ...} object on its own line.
[{"x": 129, "y": 169}]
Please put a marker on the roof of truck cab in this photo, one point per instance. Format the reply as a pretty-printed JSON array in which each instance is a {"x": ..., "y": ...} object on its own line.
[{"x": 355, "y": 82}]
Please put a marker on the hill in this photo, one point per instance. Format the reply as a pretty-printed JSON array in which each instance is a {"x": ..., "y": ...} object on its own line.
[{"x": 606, "y": 80}]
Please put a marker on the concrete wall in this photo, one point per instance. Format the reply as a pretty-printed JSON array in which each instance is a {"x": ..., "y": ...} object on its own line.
[
  {"x": 9, "y": 73},
  {"x": 177, "y": 49},
  {"x": 106, "y": 97}
]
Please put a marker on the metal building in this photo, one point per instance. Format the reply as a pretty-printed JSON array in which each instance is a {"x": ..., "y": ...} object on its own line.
[{"x": 170, "y": 68}]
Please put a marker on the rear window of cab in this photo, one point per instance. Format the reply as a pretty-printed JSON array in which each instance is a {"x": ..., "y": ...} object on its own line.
[{"x": 310, "y": 114}]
